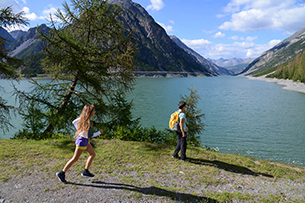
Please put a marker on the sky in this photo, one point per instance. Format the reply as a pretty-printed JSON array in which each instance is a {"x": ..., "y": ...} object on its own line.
[{"x": 213, "y": 28}]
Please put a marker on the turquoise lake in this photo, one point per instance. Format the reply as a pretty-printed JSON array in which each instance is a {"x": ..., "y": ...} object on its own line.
[{"x": 247, "y": 117}]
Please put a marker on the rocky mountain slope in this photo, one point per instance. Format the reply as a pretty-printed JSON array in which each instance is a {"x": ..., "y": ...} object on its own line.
[
  {"x": 279, "y": 54},
  {"x": 206, "y": 63},
  {"x": 157, "y": 52},
  {"x": 28, "y": 44}
]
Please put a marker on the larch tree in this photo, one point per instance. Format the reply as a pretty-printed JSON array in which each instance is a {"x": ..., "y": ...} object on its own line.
[{"x": 89, "y": 55}]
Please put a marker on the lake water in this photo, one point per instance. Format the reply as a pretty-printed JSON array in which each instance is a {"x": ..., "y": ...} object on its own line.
[{"x": 248, "y": 117}]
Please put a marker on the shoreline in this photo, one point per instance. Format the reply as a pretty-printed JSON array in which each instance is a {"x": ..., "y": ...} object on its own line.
[
  {"x": 288, "y": 84},
  {"x": 142, "y": 74}
]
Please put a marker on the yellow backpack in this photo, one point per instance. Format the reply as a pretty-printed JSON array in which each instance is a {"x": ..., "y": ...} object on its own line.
[{"x": 174, "y": 121}]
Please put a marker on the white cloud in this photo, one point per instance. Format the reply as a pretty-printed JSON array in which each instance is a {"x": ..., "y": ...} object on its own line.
[
  {"x": 168, "y": 28},
  {"x": 237, "y": 49},
  {"x": 220, "y": 15},
  {"x": 208, "y": 31},
  {"x": 253, "y": 15},
  {"x": 49, "y": 11},
  {"x": 224, "y": 51},
  {"x": 172, "y": 22},
  {"x": 248, "y": 21},
  {"x": 274, "y": 42},
  {"x": 249, "y": 38},
  {"x": 155, "y": 5},
  {"x": 258, "y": 49},
  {"x": 219, "y": 35},
  {"x": 30, "y": 16},
  {"x": 234, "y": 37},
  {"x": 245, "y": 45},
  {"x": 290, "y": 20},
  {"x": 197, "y": 43}
]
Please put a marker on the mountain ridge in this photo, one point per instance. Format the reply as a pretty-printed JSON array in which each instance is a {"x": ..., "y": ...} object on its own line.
[
  {"x": 28, "y": 44},
  {"x": 279, "y": 54},
  {"x": 157, "y": 52},
  {"x": 7, "y": 36},
  {"x": 212, "y": 66}
]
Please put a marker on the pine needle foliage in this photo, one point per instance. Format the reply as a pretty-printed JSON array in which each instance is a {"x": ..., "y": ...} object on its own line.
[
  {"x": 193, "y": 117},
  {"x": 88, "y": 56},
  {"x": 7, "y": 18},
  {"x": 294, "y": 70}
]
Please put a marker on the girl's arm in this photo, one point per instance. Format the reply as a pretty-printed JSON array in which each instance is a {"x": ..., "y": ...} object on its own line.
[
  {"x": 97, "y": 133},
  {"x": 90, "y": 134},
  {"x": 75, "y": 122}
]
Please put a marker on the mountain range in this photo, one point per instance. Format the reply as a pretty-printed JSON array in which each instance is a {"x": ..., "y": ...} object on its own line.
[
  {"x": 162, "y": 53},
  {"x": 235, "y": 65},
  {"x": 156, "y": 50}
]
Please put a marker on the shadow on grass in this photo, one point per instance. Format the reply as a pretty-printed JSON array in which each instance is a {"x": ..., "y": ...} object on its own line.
[
  {"x": 147, "y": 191},
  {"x": 68, "y": 144},
  {"x": 228, "y": 167},
  {"x": 65, "y": 144},
  {"x": 156, "y": 147}
]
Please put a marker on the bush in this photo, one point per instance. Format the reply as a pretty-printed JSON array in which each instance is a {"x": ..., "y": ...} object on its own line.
[
  {"x": 193, "y": 118},
  {"x": 140, "y": 134}
]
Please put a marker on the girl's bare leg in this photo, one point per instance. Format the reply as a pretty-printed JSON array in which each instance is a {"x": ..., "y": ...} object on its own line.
[
  {"x": 91, "y": 153},
  {"x": 75, "y": 157}
]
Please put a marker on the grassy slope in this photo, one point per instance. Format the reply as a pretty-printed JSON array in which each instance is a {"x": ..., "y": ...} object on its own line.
[{"x": 145, "y": 164}]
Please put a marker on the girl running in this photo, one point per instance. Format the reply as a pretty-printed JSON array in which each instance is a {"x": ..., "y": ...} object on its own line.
[{"x": 83, "y": 133}]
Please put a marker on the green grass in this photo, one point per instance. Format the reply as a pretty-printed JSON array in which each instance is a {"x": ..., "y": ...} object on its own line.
[{"x": 150, "y": 166}]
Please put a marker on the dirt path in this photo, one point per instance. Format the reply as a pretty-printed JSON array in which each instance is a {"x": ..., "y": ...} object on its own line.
[{"x": 40, "y": 187}]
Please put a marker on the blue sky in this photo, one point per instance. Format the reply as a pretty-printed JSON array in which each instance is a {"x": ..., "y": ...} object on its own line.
[{"x": 213, "y": 28}]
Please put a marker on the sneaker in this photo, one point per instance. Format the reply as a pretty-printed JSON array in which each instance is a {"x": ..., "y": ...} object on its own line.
[
  {"x": 175, "y": 157},
  {"x": 61, "y": 177},
  {"x": 87, "y": 173}
]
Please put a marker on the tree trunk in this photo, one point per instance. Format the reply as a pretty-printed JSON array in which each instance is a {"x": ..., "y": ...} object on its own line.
[{"x": 64, "y": 103}]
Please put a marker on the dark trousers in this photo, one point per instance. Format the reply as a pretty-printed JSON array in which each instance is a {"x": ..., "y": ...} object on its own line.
[{"x": 181, "y": 145}]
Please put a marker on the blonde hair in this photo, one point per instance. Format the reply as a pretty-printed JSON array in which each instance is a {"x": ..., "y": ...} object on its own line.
[{"x": 84, "y": 122}]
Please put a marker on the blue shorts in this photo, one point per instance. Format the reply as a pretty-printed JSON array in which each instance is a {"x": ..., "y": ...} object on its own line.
[{"x": 81, "y": 142}]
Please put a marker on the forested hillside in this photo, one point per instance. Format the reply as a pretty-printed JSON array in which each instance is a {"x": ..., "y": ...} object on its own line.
[{"x": 294, "y": 70}]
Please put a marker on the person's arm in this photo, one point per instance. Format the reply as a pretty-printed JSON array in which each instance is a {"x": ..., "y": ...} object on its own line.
[
  {"x": 97, "y": 133},
  {"x": 75, "y": 122},
  {"x": 181, "y": 127}
]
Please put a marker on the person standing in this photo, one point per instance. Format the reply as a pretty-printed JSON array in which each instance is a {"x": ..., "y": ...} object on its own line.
[
  {"x": 83, "y": 133},
  {"x": 181, "y": 134}
]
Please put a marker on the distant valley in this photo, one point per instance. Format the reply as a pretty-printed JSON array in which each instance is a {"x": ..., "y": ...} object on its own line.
[{"x": 234, "y": 64}]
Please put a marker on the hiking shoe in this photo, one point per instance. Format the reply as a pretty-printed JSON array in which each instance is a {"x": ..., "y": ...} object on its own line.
[
  {"x": 87, "y": 173},
  {"x": 61, "y": 177}
]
